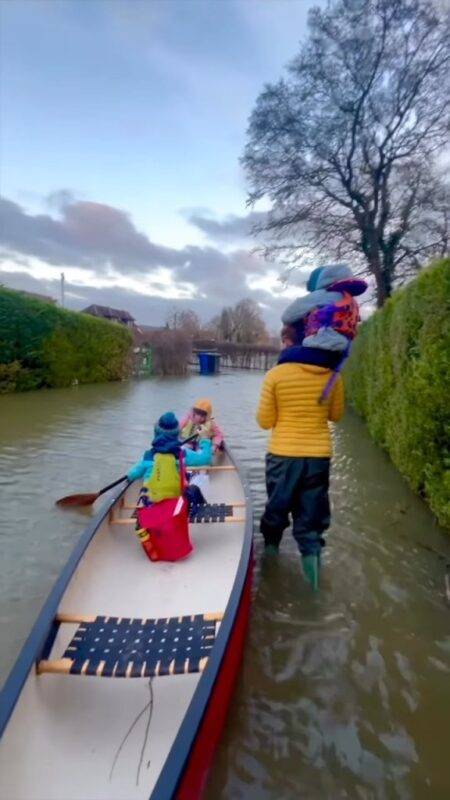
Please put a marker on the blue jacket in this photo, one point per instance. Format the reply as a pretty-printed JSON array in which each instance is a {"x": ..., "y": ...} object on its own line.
[{"x": 192, "y": 458}]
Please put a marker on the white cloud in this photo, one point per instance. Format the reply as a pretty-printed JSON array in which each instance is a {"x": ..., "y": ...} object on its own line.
[
  {"x": 160, "y": 282},
  {"x": 270, "y": 282}
]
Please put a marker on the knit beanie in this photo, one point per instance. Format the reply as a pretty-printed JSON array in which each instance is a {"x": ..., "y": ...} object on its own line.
[{"x": 168, "y": 426}]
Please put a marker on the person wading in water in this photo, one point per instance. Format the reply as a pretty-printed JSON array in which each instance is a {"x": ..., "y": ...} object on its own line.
[{"x": 299, "y": 451}]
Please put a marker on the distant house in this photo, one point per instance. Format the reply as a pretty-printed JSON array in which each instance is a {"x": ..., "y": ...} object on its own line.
[
  {"x": 111, "y": 314},
  {"x": 145, "y": 334}
]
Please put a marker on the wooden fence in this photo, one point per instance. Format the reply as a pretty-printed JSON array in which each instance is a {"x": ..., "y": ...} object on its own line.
[{"x": 240, "y": 356}]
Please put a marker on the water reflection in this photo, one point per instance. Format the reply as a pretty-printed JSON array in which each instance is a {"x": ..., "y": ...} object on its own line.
[{"x": 343, "y": 694}]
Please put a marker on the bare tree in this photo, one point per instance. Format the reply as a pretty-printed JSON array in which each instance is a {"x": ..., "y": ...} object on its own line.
[
  {"x": 184, "y": 320},
  {"x": 242, "y": 323},
  {"x": 225, "y": 327},
  {"x": 171, "y": 351},
  {"x": 222, "y": 325},
  {"x": 345, "y": 147},
  {"x": 248, "y": 324}
]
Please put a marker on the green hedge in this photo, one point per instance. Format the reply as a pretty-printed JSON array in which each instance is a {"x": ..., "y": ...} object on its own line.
[
  {"x": 43, "y": 345},
  {"x": 398, "y": 379}
]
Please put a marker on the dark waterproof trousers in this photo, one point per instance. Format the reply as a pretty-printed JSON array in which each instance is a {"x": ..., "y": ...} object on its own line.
[{"x": 297, "y": 486}]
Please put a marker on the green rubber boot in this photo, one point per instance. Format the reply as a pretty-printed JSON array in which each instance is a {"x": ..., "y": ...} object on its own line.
[
  {"x": 311, "y": 570},
  {"x": 270, "y": 550}
]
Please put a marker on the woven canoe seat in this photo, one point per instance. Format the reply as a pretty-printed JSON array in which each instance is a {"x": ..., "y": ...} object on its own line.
[
  {"x": 211, "y": 512},
  {"x": 120, "y": 647},
  {"x": 215, "y": 512}
]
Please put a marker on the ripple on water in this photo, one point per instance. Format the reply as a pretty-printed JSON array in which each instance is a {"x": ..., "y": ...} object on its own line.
[{"x": 341, "y": 694}]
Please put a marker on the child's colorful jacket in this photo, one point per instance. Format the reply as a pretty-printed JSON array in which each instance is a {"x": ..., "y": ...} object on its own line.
[
  {"x": 322, "y": 295},
  {"x": 188, "y": 427},
  {"x": 192, "y": 458},
  {"x": 209, "y": 428}
]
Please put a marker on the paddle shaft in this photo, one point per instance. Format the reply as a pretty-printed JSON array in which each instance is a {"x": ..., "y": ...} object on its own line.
[
  {"x": 111, "y": 485},
  {"x": 88, "y": 499}
]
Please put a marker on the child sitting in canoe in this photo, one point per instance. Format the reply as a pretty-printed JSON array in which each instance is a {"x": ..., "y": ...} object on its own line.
[
  {"x": 163, "y": 504},
  {"x": 199, "y": 419},
  {"x": 167, "y": 440}
]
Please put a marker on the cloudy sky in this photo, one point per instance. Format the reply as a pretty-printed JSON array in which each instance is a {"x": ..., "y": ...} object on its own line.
[{"x": 122, "y": 123}]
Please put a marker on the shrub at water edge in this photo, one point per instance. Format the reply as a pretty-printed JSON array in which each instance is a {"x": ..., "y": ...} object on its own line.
[
  {"x": 398, "y": 379},
  {"x": 43, "y": 345}
]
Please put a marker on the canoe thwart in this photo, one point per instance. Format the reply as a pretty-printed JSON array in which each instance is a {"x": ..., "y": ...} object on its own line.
[
  {"x": 218, "y": 468},
  {"x": 132, "y": 506},
  {"x": 75, "y": 618},
  {"x": 132, "y": 520},
  {"x": 120, "y": 647},
  {"x": 58, "y": 666}
]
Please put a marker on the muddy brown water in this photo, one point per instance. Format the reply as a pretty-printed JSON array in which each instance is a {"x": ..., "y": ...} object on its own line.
[{"x": 345, "y": 694}]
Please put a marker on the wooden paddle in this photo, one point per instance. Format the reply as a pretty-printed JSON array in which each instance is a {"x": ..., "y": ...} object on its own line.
[{"x": 89, "y": 499}]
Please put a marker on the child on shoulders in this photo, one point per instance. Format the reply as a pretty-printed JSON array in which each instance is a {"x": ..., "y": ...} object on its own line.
[{"x": 329, "y": 313}]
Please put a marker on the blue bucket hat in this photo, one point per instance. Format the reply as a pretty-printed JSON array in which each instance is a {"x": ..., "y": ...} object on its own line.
[{"x": 322, "y": 277}]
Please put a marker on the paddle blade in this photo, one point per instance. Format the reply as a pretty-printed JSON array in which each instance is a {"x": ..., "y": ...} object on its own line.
[{"x": 77, "y": 500}]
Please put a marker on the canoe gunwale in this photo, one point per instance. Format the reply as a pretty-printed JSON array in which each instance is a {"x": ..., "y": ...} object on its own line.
[
  {"x": 41, "y": 638},
  {"x": 43, "y": 632},
  {"x": 177, "y": 760}
]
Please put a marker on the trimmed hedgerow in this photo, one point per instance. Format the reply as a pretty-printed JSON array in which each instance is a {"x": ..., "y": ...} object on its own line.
[
  {"x": 398, "y": 379},
  {"x": 43, "y": 345}
]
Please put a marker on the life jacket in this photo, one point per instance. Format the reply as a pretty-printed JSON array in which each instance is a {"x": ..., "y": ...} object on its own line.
[
  {"x": 164, "y": 482},
  {"x": 342, "y": 316},
  {"x": 192, "y": 427}
]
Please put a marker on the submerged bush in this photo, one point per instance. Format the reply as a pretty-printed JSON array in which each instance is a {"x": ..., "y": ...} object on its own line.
[
  {"x": 398, "y": 379},
  {"x": 8, "y": 376},
  {"x": 171, "y": 350},
  {"x": 43, "y": 345}
]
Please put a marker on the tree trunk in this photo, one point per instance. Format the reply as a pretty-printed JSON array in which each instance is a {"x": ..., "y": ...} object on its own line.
[
  {"x": 384, "y": 287},
  {"x": 388, "y": 269},
  {"x": 378, "y": 266}
]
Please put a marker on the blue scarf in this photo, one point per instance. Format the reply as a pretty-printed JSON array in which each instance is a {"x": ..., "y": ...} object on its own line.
[
  {"x": 330, "y": 359},
  {"x": 163, "y": 443}
]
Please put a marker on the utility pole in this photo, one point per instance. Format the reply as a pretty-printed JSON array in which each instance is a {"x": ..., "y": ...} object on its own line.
[{"x": 62, "y": 288}]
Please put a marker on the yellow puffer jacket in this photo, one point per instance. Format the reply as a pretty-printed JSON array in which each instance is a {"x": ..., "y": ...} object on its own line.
[{"x": 289, "y": 404}]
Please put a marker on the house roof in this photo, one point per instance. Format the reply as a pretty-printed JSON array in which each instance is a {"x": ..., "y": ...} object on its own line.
[{"x": 108, "y": 313}]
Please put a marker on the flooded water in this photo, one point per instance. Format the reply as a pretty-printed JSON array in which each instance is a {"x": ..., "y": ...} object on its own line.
[{"x": 343, "y": 694}]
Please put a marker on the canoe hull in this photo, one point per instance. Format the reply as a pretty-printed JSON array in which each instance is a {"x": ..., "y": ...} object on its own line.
[
  {"x": 87, "y": 716},
  {"x": 195, "y": 775}
]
